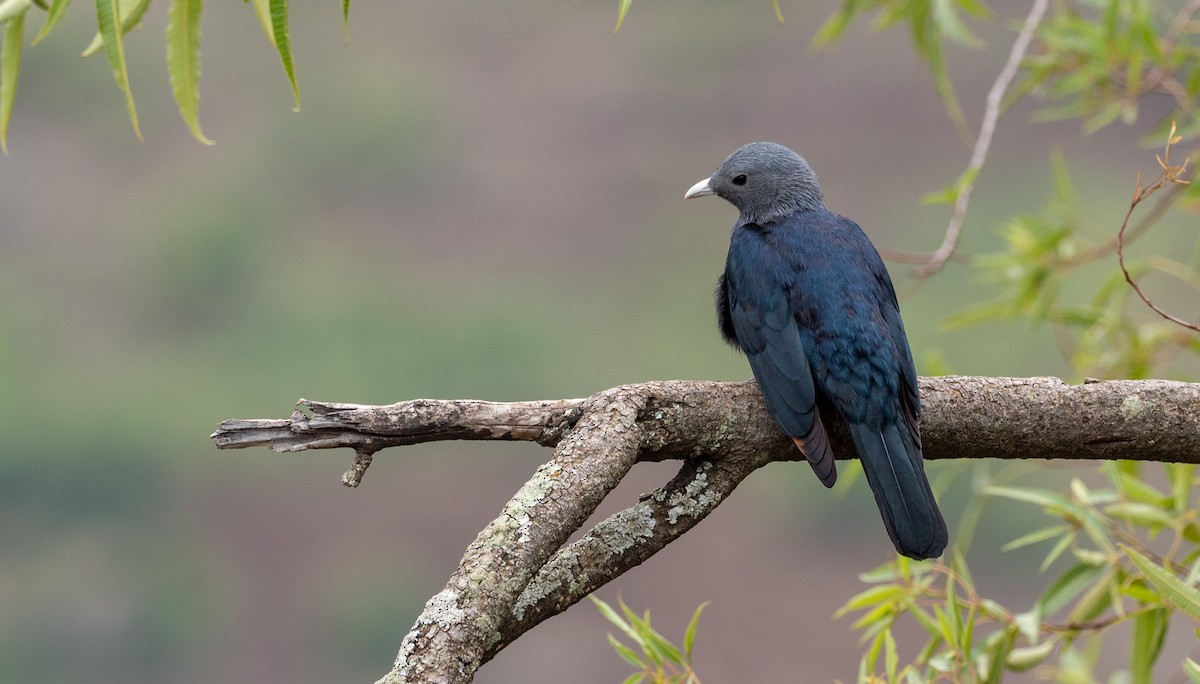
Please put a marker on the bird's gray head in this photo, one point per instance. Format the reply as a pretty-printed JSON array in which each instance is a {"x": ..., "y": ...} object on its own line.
[{"x": 765, "y": 181}]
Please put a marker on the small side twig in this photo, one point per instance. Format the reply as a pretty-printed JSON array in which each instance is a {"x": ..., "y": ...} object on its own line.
[
  {"x": 983, "y": 143},
  {"x": 354, "y": 474},
  {"x": 1171, "y": 174}
]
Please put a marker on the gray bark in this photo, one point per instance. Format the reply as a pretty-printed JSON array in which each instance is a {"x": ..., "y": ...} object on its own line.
[{"x": 518, "y": 572}]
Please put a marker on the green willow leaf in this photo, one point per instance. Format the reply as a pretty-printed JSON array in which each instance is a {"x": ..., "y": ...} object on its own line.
[
  {"x": 1067, "y": 587},
  {"x": 10, "y": 67},
  {"x": 106, "y": 16},
  {"x": 57, "y": 9},
  {"x": 834, "y": 28},
  {"x": 1149, "y": 631},
  {"x": 1029, "y": 657},
  {"x": 999, "y": 645},
  {"x": 891, "y": 658},
  {"x": 10, "y": 9},
  {"x": 132, "y": 12},
  {"x": 183, "y": 61},
  {"x": 611, "y": 615},
  {"x": 279, "y": 28},
  {"x": 1184, "y": 597},
  {"x": 874, "y": 596},
  {"x": 1037, "y": 536},
  {"x": 262, "y": 10},
  {"x": 622, "y": 10},
  {"x": 627, "y": 654},
  {"x": 1192, "y": 670},
  {"x": 689, "y": 635},
  {"x": 950, "y": 24},
  {"x": 346, "y": 21},
  {"x": 1182, "y": 476}
]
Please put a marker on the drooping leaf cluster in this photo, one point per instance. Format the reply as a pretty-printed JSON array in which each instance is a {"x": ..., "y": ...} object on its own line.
[{"x": 115, "y": 18}]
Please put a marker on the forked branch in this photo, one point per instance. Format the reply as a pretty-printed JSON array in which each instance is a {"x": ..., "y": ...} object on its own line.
[{"x": 519, "y": 571}]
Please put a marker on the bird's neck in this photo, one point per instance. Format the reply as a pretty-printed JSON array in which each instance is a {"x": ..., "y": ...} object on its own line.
[{"x": 785, "y": 208}]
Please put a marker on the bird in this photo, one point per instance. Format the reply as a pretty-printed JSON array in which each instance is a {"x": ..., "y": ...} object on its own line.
[{"x": 806, "y": 297}]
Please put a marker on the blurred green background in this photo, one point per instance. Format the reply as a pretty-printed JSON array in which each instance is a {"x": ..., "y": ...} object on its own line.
[{"x": 476, "y": 201}]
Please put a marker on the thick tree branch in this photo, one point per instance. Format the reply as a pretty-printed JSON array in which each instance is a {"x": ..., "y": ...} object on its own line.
[{"x": 518, "y": 572}]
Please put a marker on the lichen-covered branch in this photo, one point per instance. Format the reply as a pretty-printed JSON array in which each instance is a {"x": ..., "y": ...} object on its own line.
[{"x": 518, "y": 572}]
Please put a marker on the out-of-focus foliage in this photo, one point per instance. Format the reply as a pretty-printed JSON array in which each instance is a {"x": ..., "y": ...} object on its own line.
[
  {"x": 1109, "y": 334},
  {"x": 1098, "y": 61},
  {"x": 1128, "y": 553},
  {"x": 656, "y": 659}
]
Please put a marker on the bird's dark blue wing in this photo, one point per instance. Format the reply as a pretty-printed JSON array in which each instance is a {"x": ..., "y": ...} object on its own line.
[
  {"x": 759, "y": 312},
  {"x": 861, "y": 361}
]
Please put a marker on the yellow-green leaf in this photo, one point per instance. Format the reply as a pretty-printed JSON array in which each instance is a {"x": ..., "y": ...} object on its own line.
[
  {"x": 346, "y": 21},
  {"x": 106, "y": 17},
  {"x": 1149, "y": 630},
  {"x": 53, "y": 15},
  {"x": 262, "y": 10},
  {"x": 131, "y": 12},
  {"x": 947, "y": 19},
  {"x": 611, "y": 615},
  {"x": 279, "y": 28},
  {"x": 1192, "y": 669},
  {"x": 10, "y": 67},
  {"x": 1069, "y": 585},
  {"x": 887, "y": 593},
  {"x": 627, "y": 654},
  {"x": 1141, "y": 514},
  {"x": 689, "y": 635},
  {"x": 891, "y": 658},
  {"x": 1184, "y": 597},
  {"x": 1182, "y": 477},
  {"x": 1037, "y": 536},
  {"x": 1029, "y": 657},
  {"x": 183, "y": 61},
  {"x": 622, "y": 10},
  {"x": 10, "y": 9}
]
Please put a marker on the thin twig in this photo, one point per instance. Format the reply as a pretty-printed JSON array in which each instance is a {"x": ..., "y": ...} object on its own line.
[
  {"x": 1156, "y": 212},
  {"x": 1169, "y": 175},
  {"x": 987, "y": 128}
]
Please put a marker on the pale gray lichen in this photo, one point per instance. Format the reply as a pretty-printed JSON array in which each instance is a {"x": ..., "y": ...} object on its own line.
[
  {"x": 626, "y": 526},
  {"x": 442, "y": 609},
  {"x": 443, "y": 612},
  {"x": 695, "y": 499},
  {"x": 1132, "y": 407},
  {"x": 530, "y": 495},
  {"x": 539, "y": 589}
]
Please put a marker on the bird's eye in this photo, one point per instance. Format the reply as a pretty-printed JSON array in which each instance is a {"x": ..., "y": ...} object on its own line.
[{"x": 739, "y": 179}]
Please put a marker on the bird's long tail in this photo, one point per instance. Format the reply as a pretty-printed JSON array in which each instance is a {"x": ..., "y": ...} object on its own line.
[{"x": 892, "y": 461}]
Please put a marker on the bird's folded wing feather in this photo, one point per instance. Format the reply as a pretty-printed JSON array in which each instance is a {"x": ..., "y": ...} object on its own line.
[{"x": 768, "y": 334}]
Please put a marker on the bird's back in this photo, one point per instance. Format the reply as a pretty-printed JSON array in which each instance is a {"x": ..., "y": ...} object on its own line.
[{"x": 844, "y": 306}]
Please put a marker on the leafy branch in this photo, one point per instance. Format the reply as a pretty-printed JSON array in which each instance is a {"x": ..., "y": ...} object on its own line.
[
  {"x": 1112, "y": 579},
  {"x": 657, "y": 660},
  {"x": 115, "y": 18}
]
